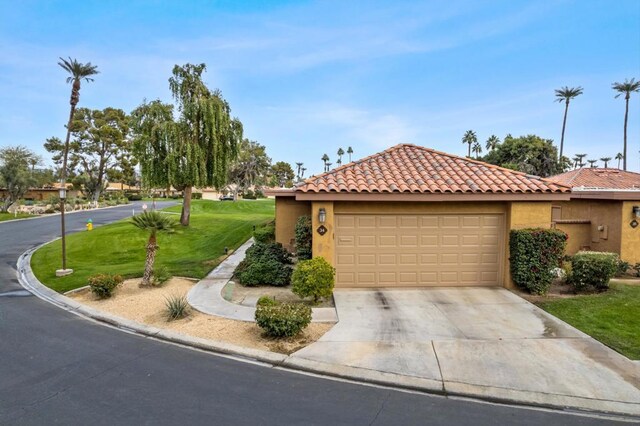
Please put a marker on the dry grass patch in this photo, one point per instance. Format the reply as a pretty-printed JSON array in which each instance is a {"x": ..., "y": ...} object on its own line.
[{"x": 147, "y": 306}]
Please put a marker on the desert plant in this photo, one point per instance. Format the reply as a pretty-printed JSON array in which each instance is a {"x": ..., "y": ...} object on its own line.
[
  {"x": 176, "y": 307},
  {"x": 304, "y": 238},
  {"x": 535, "y": 253},
  {"x": 313, "y": 278},
  {"x": 153, "y": 222},
  {"x": 283, "y": 320},
  {"x": 160, "y": 275},
  {"x": 103, "y": 285},
  {"x": 590, "y": 268},
  {"x": 265, "y": 234}
]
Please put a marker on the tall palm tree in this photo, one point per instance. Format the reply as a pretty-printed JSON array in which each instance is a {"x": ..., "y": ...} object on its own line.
[
  {"x": 619, "y": 157},
  {"x": 605, "y": 160},
  {"x": 77, "y": 72},
  {"x": 626, "y": 88},
  {"x": 592, "y": 163},
  {"x": 580, "y": 158},
  {"x": 565, "y": 95},
  {"x": 575, "y": 162},
  {"x": 325, "y": 159},
  {"x": 328, "y": 166},
  {"x": 340, "y": 154},
  {"x": 154, "y": 222},
  {"x": 349, "y": 151},
  {"x": 492, "y": 142},
  {"x": 299, "y": 166},
  {"x": 339, "y": 162},
  {"x": 477, "y": 149},
  {"x": 469, "y": 138},
  {"x": 304, "y": 169}
]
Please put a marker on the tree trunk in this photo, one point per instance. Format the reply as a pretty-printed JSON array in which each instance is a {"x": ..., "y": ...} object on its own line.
[
  {"x": 186, "y": 206},
  {"x": 469, "y": 154},
  {"x": 624, "y": 150},
  {"x": 152, "y": 247},
  {"x": 564, "y": 124}
]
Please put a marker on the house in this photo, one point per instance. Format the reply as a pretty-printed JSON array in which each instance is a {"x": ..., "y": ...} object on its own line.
[
  {"x": 603, "y": 212},
  {"x": 412, "y": 216}
]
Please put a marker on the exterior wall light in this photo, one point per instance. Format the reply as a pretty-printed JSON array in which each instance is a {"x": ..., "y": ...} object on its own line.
[
  {"x": 636, "y": 211},
  {"x": 63, "y": 193},
  {"x": 322, "y": 215}
]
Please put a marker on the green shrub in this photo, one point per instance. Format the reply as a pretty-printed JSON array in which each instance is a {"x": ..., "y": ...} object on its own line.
[
  {"x": 265, "y": 234},
  {"x": 274, "y": 251},
  {"x": 313, "y": 278},
  {"x": 283, "y": 320},
  {"x": 591, "y": 268},
  {"x": 266, "y": 301},
  {"x": 249, "y": 195},
  {"x": 133, "y": 197},
  {"x": 637, "y": 269},
  {"x": 103, "y": 285},
  {"x": 265, "y": 272},
  {"x": 160, "y": 276},
  {"x": 176, "y": 307},
  {"x": 534, "y": 255},
  {"x": 622, "y": 268},
  {"x": 259, "y": 194},
  {"x": 304, "y": 238},
  {"x": 196, "y": 195}
]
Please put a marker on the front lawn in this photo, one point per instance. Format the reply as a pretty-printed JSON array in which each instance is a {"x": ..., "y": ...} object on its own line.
[
  {"x": 11, "y": 216},
  {"x": 120, "y": 247},
  {"x": 610, "y": 317}
]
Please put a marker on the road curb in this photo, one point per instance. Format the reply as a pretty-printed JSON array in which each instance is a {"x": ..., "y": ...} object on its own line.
[{"x": 364, "y": 376}]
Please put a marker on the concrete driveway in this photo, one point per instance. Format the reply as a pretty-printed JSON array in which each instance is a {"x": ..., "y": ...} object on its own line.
[{"x": 477, "y": 341}]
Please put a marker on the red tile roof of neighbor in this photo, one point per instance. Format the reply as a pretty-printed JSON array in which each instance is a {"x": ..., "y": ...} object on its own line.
[
  {"x": 407, "y": 168},
  {"x": 595, "y": 178}
]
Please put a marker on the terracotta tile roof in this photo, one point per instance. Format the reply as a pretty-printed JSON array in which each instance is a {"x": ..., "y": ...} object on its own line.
[
  {"x": 409, "y": 168},
  {"x": 595, "y": 178}
]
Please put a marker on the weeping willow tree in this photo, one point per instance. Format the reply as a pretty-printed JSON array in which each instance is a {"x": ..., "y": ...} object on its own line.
[{"x": 192, "y": 147}]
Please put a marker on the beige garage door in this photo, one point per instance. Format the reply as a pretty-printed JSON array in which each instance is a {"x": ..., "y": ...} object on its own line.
[{"x": 418, "y": 250}]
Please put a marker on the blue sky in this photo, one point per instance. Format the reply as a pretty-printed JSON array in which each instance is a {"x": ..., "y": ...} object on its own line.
[{"x": 307, "y": 78}]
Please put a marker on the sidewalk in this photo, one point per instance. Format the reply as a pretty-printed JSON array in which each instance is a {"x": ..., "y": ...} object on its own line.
[{"x": 206, "y": 295}]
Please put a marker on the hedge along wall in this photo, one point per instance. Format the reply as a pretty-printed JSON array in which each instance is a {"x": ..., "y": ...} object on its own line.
[{"x": 535, "y": 252}]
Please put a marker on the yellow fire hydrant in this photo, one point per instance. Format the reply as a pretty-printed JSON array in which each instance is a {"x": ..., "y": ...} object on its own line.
[{"x": 89, "y": 225}]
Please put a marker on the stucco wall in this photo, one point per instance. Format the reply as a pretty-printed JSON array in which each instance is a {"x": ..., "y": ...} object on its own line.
[
  {"x": 288, "y": 210},
  {"x": 323, "y": 245},
  {"x": 604, "y": 231},
  {"x": 630, "y": 237}
]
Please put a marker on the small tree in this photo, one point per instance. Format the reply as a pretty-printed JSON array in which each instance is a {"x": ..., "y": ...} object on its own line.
[
  {"x": 304, "y": 238},
  {"x": 313, "y": 278},
  {"x": 154, "y": 222},
  {"x": 16, "y": 176}
]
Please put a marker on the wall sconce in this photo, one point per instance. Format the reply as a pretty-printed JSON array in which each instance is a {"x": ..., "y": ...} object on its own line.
[
  {"x": 322, "y": 215},
  {"x": 636, "y": 211}
]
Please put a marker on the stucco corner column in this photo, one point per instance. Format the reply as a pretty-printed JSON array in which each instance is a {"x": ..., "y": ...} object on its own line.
[{"x": 323, "y": 233}]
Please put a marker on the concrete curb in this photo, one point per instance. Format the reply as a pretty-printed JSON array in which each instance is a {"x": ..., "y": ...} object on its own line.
[
  {"x": 616, "y": 410},
  {"x": 42, "y": 216}
]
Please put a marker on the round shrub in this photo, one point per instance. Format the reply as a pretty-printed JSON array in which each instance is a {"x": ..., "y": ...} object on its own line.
[
  {"x": 534, "y": 254},
  {"x": 313, "y": 278},
  {"x": 266, "y": 301},
  {"x": 265, "y": 272},
  {"x": 266, "y": 234},
  {"x": 304, "y": 237},
  {"x": 103, "y": 285},
  {"x": 590, "y": 268},
  {"x": 283, "y": 320},
  {"x": 275, "y": 251}
]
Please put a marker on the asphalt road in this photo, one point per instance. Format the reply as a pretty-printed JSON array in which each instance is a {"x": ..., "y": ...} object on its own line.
[{"x": 58, "y": 368}]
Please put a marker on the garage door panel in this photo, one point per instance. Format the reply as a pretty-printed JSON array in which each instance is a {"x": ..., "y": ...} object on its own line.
[{"x": 418, "y": 250}]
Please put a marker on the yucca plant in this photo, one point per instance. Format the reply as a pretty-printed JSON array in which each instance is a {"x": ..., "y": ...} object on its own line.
[
  {"x": 153, "y": 222},
  {"x": 176, "y": 307}
]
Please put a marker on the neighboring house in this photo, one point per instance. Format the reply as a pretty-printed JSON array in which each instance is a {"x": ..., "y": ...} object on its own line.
[
  {"x": 411, "y": 216},
  {"x": 47, "y": 192},
  {"x": 602, "y": 212}
]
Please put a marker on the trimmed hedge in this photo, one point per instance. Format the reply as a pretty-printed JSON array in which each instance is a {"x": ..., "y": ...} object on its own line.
[
  {"x": 266, "y": 234},
  {"x": 265, "y": 264},
  {"x": 313, "y": 278},
  {"x": 283, "y": 319},
  {"x": 593, "y": 269},
  {"x": 304, "y": 236},
  {"x": 103, "y": 285},
  {"x": 534, "y": 253}
]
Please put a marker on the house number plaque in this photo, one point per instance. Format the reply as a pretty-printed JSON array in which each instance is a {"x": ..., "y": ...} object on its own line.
[{"x": 321, "y": 230}]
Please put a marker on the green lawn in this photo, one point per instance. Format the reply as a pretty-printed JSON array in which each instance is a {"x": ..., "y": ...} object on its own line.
[
  {"x": 611, "y": 317},
  {"x": 120, "y": 247},
  {"x": 11, "y": 216}
]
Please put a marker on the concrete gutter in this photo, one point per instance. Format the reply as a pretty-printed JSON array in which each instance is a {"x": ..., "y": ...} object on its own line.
[{"x": 620, "y": 411}]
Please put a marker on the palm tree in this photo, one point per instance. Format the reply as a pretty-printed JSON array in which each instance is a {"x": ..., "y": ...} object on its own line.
[
  {"x": 304, "y": 169},
  {"x": 339, "y": 162},
  {"x": 575, "y": 162},
  {"x": 580, "y": 157},
  {"x": 619, "y": 157},
  {"x": 477, "y": 149},
  {"x": 565, "y": 95},
  {"x": 154, "y": 222},
  {"x": 349, "y": 151},
  {"x": 78, "y": 72},
  {"x": 325, "y": 158},
  {"x": 605, "y": 160},
  {"x": 340, "y": 154},
  {"x": 627, "y": 87},
  {"x": 492, "y": 142},
  {"x": 592, "y": 163},
  {"x": 469, "y": 138},
  {"x": 328, "y": 167},
  {"x": 299, "y": 166}
]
